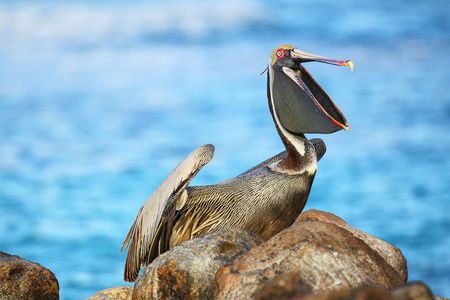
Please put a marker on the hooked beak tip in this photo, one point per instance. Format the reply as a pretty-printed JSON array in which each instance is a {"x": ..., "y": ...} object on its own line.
[{"x": 350, "y": 64}]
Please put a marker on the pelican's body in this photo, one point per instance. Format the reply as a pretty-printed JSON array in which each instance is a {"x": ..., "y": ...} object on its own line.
[{"x": 265, "y": 199}]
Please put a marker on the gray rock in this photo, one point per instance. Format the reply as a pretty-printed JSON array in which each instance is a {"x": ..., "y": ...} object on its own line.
[
  {"x": 325, "y": 255},
  {"x": 114, "y": 293},
  {"x": 186, "y": 271},
  {"x": 23, "y": 279}
]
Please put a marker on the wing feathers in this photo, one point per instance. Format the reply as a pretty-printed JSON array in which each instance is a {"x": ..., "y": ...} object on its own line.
[{"x": 145, "y": 226}]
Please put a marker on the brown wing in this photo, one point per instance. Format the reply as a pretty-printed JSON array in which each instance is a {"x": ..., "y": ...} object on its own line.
[{"x": 147, "y": 225}]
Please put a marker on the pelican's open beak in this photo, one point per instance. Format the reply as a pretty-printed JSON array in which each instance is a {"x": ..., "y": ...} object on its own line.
[{"x": 301, "y": 103}]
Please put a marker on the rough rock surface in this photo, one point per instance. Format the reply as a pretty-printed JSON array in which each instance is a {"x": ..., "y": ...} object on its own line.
[
  {"x": 413, "y": 291},
  {"x": 389, "y": 252},
  {"x": 325, "y": 255},
  {"x": 361, "y": 293},
  {"x": 290, "y": 287},
  {"x": 284, "y": 286},
  {"x": 186, "y": 271},
  {"x": 114, "y": 293},
  {"x": 22, "y": 279}
]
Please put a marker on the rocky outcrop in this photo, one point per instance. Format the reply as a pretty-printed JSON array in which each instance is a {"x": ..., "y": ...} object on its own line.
[
  {"x": 327, "y": 256},
  {"x": 284, "y": 286},
  {"x": 411, "y": 291},
  {"x": 114, "y": 293},
  {"x": 389, "y": 252},
  {"x": 187, "y": 271},
  {"x": 320, "y": 257},
  {"x": 22, "y": 279}
]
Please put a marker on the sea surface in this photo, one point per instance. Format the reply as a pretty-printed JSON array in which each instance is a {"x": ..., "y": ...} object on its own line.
[{"x": 100, "y": 100}]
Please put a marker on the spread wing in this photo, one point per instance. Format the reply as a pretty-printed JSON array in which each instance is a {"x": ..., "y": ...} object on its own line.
[{"x": 142, "y": 232}]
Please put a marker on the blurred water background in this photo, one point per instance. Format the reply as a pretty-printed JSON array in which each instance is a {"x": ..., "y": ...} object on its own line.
[{"x": 99, "y": 100}]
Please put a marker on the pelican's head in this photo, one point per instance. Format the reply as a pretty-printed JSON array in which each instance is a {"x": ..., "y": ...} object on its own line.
[{"x": 300, "y": 103}]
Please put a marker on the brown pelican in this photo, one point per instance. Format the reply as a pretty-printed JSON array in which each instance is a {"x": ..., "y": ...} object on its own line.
[{"x": 265, "y": 199}]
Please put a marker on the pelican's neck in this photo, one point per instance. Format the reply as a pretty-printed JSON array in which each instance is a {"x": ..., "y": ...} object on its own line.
[{"x": 301, "y": 155}]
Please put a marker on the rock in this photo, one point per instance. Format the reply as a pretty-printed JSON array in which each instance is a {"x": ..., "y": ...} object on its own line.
[
  {"x": 413, "y": 291},
  {"x": 23, "y": 279},
  {"x": 361, "y": 293},
  {"x": 293, "y": 289},
  {"x": 389, "y": 252},
  {"x": 114, "y": 293},
  {"x": 325, "y": 255},
  {"x": 290, "y": 287},
  {"x": 284, "y": 286},
  {"x": 186, "y": 271}
]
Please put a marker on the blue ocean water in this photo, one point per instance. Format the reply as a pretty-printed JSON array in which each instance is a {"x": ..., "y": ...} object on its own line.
[{"x": 100, "y": 100}]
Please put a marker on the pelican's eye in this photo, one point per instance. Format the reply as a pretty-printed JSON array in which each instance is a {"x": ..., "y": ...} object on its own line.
[{"x": 280, "y": 53}]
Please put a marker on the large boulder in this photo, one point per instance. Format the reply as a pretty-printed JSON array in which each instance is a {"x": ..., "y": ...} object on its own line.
[
  {"x": 23, "y": 279},
  {"x": 114, "y": 293},
  {"x": 389, "y": 252},
  {"x": 288, "y": 287},
  {"x": 413, "y": 291},
  {"x": 326, "y": 255},
  {"x": 186, "y": 271},
  {"x": 284, "y": 286}
]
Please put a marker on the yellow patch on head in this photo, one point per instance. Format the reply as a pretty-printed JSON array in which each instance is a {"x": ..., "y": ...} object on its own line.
[{"x": 276, "y": 53}]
